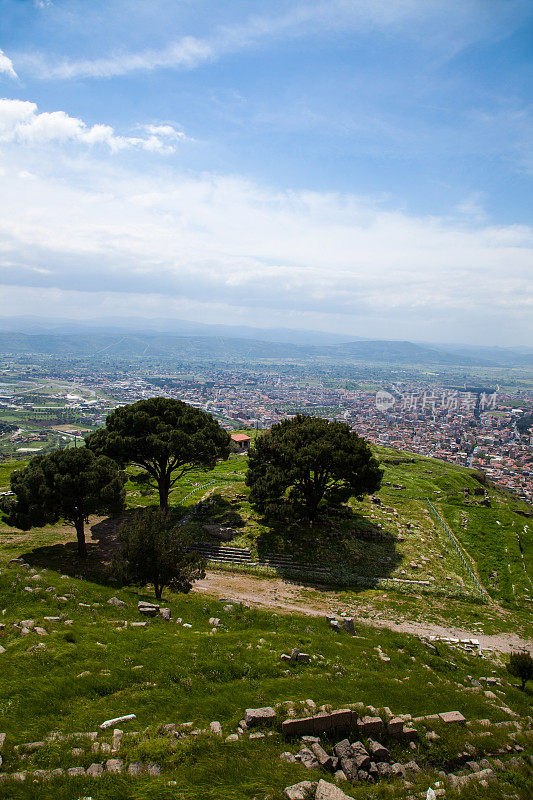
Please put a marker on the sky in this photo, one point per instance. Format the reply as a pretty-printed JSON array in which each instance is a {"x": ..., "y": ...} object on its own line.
[{"x": 363, "y": 167}]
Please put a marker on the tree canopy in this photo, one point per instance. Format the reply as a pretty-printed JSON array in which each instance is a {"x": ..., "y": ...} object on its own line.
[
  {"x": 163, "y": 436},
  {"x": 305, "y": 462},
  {"x": 521, "y": 666},
  {"x": 156, "y": 551},
  {"x": 66, "y": 484}
]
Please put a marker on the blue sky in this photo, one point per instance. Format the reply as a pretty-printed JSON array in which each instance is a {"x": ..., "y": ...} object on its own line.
[{"x": 357, "y": 166}]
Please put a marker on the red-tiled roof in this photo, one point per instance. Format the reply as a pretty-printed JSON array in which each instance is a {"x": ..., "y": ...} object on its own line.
[{"x": 240, "y": 437}]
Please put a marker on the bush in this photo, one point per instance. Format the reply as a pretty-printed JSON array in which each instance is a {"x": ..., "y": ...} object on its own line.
[
  {"x": 521, "y": 666},
  {"x": 156, "y": 551}
]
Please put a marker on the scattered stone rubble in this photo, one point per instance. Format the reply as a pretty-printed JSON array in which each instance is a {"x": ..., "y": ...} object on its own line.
[
  {"x": 353, "y": 760},
  {"x": 347, "y": 719},
  {"x": 296, "y": 657},
  {"x": 331, "y": 741},
  {"x": 350, "y": 761},
  {"x": 470, "y": 645},
  {"x": 111, "y": 766}
]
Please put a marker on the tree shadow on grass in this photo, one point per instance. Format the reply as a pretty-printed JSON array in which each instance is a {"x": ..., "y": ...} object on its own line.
[
  {"x": 102, "y": 545},
  {"x": 340, "y": 549},
  {"x": 218, "y": 510}
]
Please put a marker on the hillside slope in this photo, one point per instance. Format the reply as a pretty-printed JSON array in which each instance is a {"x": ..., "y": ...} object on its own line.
[
  {"x": 212, "y": 348},
  {"x": 72, "y": 656},
  {"x": 183, "y": 673}
]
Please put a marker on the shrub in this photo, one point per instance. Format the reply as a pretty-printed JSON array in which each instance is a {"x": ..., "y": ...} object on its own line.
[
  {"x": 521, "y": 666},
  {"x": 156, "y": 551}
]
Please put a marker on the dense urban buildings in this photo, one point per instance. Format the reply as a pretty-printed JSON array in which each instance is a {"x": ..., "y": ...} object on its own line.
[{"x": 476, "y": 427}]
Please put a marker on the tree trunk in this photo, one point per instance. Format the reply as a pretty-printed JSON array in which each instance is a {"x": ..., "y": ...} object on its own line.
[
  {"x": 80, "y": 533},
  {"x": 312, "y": 508},
  {"x": 163, "y": 485},
  {"x": 158, "y": 591}
]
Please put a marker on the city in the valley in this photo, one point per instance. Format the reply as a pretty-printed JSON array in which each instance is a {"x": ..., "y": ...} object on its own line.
[{"x": 480, "y": 421}]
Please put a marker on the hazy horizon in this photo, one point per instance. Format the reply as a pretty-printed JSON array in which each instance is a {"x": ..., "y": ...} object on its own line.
[{"x": 36, "y": 325}]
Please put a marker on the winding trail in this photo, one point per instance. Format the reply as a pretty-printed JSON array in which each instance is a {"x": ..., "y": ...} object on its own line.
[{"x": 278, "y": 595}]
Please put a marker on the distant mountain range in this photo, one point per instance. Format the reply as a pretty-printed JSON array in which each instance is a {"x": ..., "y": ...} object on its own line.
[
  {"x": 238, "y": 344},
  {"x": 179, "y": 327}
]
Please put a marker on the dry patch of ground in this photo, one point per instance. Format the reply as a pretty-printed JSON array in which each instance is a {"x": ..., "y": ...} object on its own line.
[{"x": 286, "y": 597}]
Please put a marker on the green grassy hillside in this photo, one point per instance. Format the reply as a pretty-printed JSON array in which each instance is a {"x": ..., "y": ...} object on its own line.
[
  {"x": 490, "y": 554},
  {"x": 432, "y": 529},
  {"x": 90, "y": 664}
]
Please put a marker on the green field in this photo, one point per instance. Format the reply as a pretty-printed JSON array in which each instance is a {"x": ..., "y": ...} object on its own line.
[
  {"x": 490, "y": 538},
  {"x": 90, "y": 665},
  {"x": 395, "y": 541}
]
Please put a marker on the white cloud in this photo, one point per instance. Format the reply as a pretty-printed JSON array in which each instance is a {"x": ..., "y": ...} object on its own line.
[
  {"x": 449, "y": 25},
  {"x": 187, "y": 53},
  {"x": 472, "y": 207},
  {"x": 166, "y": 241},
  {"x": 6, "y": 66},
  {"x": 21, "y": 123},
  {"x": 167, "y": 131}
]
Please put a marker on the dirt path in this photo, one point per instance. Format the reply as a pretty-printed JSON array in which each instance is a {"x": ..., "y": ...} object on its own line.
[{"x": 285, "y": 598}]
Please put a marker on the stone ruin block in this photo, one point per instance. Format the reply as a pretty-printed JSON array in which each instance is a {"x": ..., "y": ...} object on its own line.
[
  {"x": 395, "y": 726},
  {"x": 147, "y": 609},
  {"x": 458, "y": 781},
  {"x": 343, "y": 718},
  {"x": 323, "y": 758},
  {"x": 114, "y": 766},
  {"x": 452, "y": 716},
  {"x": 340, "y": 719},
  {"x": 76, "y": 772},
  {"x": 371, "y": 726},
  {"x": 348, "y": 625},
  {"x": 397, "y": 770},
  {"x": 328, "y": 791},
  {"x": 322, "y": 722},
  {"x": 343, "y": 749},
  {"x": 349, "y": 767},
  {"x": 409, "y": 734},
  {"x": 297, "y": 727},
  {"x": 303, "y": 658},
  {"x": 307, "y": 758},
  {"x": 259, "y": 716},
  {"x": 300, "y": 791},
  {"x": 361, "y": 759},
  {"x": 427, "y": 718},
  {"x": 378, "y": 753}
]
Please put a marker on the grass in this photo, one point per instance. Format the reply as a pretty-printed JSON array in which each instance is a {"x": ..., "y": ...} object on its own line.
[
  {"x": 412, "y": 544},
  {"x": 6, "y": 470},
  {"x": 96, "y": 668},
  {"x": 493, "y": 539}
]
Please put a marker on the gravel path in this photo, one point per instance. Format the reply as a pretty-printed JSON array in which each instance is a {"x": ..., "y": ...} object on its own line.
[{"x": 285, "y": 598}]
